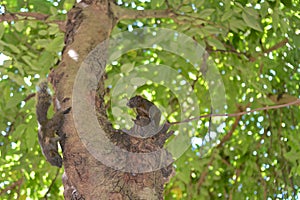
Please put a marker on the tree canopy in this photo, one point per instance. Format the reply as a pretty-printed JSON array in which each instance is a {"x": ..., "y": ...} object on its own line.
[{"x": 250, "y": 150}]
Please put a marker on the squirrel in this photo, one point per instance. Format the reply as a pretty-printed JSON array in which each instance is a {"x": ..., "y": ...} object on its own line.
[
  {"x": 146, "y": 110},
  {"x": 49, "y": 128},
  {"x": 147, "y": 119}
]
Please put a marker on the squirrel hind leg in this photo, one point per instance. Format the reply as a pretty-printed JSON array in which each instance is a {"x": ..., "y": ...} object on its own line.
[{"x": 56, "y": 122}]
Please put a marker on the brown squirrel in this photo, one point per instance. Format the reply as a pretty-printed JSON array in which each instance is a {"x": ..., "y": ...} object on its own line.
[
  {"x": 146, "y": 110},
  {"x": 49, "y": 128},
  {"x": 147, "y": 119}
]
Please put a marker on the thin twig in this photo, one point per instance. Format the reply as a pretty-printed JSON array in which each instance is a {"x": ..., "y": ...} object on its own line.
[
  {"x": 262, "y": 180},
  {"x": 15, "y": 184},
  {"x": 277, "y": 46},
  {"x": 297, "y": 102},
  {"x": 52, "y": 183},
  {"x": 8, "y": 17},
  {"x": 29, "y": 97},
  {"x": 125, "y": 13},
  {"x": 27, "y": 16},
  {"x": 229, "y": 134},
  {"x": 273, "y": 48},
  {"x": 204, "y": 174},
  {"x": 226, "y": 138},
  {"x": 168, "y": 4}
]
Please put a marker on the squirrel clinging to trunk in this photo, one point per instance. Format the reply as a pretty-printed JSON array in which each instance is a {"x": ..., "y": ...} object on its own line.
[
  {"x": 49, "y": 130},
  {"x": 146, "y": 110},
  {"x": 148, "y": 117}
]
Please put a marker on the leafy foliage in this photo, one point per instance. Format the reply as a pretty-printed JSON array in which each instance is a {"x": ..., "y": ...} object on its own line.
[{"x": 255, "y": 46}]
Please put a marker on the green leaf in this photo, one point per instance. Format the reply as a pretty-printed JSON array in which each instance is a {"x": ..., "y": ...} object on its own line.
[
  {"x": 41, "y": 6},
  {"x": 44, "y": 61},
  {"x": 184, "y": 176},
  {"x": 298, "y": 170},
  {"x": 236, "y": 24},
  {"x": 215, "y": 43},
  {"x": 43, "y": 32},
  {"x": 237, "y": 10},
  {"x": 296, "y": 39},
  {"x": 186, "y": 9},
  {"x": 117, "y": 111},
  {"x": 14, "y": 100},
  {"x": 199, "y": 3},
  {"x": 251, "y": 21},
  {"x": 184, "y": 27},
  {"x": 19, "y": 130},
  {"x": 283, "y": 26},
  {"x": 275, "y": 19},
  {"x": 41, "y": 43},
  {"x": 20, "y": 68},
  {"x": 7, "y": 63},
  {"x": 32, "y": 24},
  {"x": 19, "y": 25},
  {"x": 292, "y": 156},
  {"x": 30, "y": 131},
  {"x": 13, "y": 48},
  {"x": 27, "y": 59},
  {"x": 238, "y": 5},
  {"x": 206, "y": 12},
  {"x": 264, "y": 9},
  {"x": 127, "y": 67},
  {"x": 16, "y": 78},
  {"x": 2, "y": 30},
  {"x": 138, "y": 81},
  {"x": 68, "y": 4},
  {"x": 53, "y": 29},
  {"x": 53, "y": 11},
  {"x": 287, "y": 3},
  {"x": 251, "y": 11},
  {"x": 56, "y": 44},
  {"x": 211, "y": 30},
  {"x": 226, "y": 15},
  {"x": 156, "y": 3}
]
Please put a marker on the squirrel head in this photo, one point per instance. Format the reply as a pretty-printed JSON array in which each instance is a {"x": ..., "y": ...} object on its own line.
[
  {"x": 135, "y": 101},
  {"x": 55, "y": 159},
  {"x": 43, "y": 87}
]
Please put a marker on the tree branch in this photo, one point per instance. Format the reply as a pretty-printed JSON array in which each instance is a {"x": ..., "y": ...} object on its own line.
[
  {"x": 123, "y": 13},
  {"x": 251, "y": 58},
  {"x": 225, "y": 139},
  {"x": 204, "y": 174},
  {"x": 229, "y": 134},
  {"x": 15, "y": 184},
  {"x": 277, "y": 46},
  {"x": 31, "y": 95},
  {"x": 52, "y": 183},
  {"x": 8, "y": 17},
  {"x": 296, "y": 102},
  {"x": 263, "y": 182}
]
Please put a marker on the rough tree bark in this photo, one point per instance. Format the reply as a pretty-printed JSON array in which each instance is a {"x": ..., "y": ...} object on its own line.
[{"x": 89, "y": 23}]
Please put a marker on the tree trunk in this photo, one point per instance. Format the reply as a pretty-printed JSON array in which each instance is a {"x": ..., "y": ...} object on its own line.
[{"x": 90, "y": 23}]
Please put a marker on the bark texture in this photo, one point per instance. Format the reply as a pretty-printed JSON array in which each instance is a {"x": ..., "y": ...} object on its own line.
[{"x": 89, "y": 23}]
